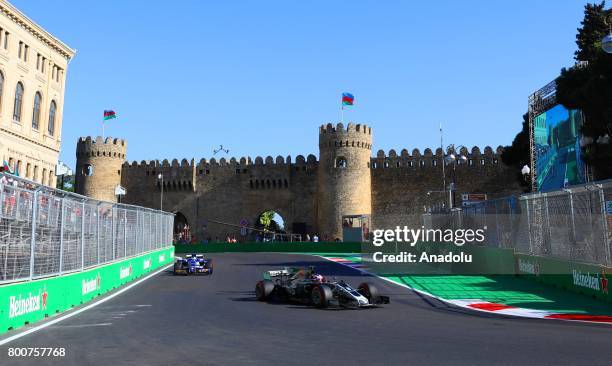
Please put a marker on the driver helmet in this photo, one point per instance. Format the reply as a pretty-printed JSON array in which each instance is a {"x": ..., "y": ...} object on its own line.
[{"x": 317, "y": 277}]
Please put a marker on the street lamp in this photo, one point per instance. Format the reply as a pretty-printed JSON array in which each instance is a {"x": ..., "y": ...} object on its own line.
[
  {"x": 525, "y": 171},
  {"x": 454, "y": 155},
  {"x": 161, "y": 197}
]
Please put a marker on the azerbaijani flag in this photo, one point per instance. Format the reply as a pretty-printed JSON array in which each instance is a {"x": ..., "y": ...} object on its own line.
[
  {"x": 109, "y": 115},
  {"x": 6, "y": 167},
  {"x": 347, "y": 99}
]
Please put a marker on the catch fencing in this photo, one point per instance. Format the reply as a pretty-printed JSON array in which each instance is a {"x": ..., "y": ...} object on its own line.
[
  {"x": 46, "y": 232},
  {"x": 573, "y": 223}
]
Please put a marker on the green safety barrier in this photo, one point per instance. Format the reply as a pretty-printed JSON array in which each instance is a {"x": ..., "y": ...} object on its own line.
[
  {"x": 28, "y": 302},
  {"x": 286, "y": 247},
  {"x": 586, "y": 279}
]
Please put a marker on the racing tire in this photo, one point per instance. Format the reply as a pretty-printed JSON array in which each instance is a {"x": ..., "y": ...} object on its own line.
[
  {"x": 177, "y": 267},
  {"x": 210, "y": 267},
  {"x": 369, "y": 291},
  {"x": 321, "y": 295},
  {"x": 263, "y": 290}
]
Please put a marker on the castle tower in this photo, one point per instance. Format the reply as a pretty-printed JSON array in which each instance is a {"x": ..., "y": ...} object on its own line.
[
  {"x": 98, "y": 169},
  {"x": 344, "y": 181}
]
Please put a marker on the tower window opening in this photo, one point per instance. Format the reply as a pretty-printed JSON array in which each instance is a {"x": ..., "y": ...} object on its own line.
[
  {"x": 88, "y": 170},
  {"x": 341, "y": 162}
]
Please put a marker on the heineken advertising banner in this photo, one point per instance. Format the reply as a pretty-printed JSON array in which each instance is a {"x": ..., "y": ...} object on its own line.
[
  {"x": 581, "y": 278},
  {"x": 27, "y": 302}
]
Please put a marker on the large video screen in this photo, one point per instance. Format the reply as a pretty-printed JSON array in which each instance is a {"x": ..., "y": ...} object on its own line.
[{"x": 557, "y": 148}]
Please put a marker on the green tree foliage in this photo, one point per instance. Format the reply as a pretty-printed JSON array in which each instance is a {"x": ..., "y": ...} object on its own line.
[
  {"x": 266, "y": 219},
  {"x": 517, "y": 155},
  {"x": 268, "y": 222},
  {"x": 589, "y": 88}
]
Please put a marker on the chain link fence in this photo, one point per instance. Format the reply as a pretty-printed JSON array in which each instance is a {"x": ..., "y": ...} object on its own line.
[
  {"x": 573, "y": 223},
  {"x": 45, "y": 231}
]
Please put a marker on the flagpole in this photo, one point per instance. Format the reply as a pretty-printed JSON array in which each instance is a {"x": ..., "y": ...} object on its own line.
[
  {"x": 342, "y": 112},
  {"x": 443, "y": 158},
  {"x": 102, "y": 128}
]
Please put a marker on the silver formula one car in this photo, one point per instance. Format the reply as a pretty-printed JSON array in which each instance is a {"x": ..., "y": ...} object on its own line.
[{"x": 304, "y": 285}]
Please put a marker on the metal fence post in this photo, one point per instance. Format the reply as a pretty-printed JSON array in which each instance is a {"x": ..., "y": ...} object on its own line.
[
  {"x": 1, "y": 198},
  {"x": 528, "y": 225},
  {"x": 125, "y": 233},
  {"x": 113, "y": 230},
  {"x": 82, "y": 235},
  {"x": 604, "y": 223},
  {"x": 549, "y": 241},
  {"x": 61, "y": 262},
  {"x": 98, "y": 233},
  {"x": 33, "y": 239},
  {"x": 572, "y": 215}
]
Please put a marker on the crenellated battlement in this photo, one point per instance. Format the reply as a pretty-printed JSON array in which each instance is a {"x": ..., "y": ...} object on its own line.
[
  {"x": 340, "y": 129},
  {"x": 232, "y": 163},
  {"x": 99, "y": 147},
  {"x": 357, "y": 136},
  {"x": 428, "y": 159}
]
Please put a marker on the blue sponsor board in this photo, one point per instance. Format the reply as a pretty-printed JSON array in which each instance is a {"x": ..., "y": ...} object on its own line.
[{"x": 609, "y": 208}]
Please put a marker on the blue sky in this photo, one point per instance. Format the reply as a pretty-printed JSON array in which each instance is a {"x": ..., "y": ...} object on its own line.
[{"x": 259, "y": 77}]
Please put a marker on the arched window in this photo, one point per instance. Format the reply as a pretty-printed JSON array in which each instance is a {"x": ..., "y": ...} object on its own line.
[
  {"x": 18, "y": 102},
  {"x": 36, "y": 111},
  {"x": 51, "y": 125},
  {"x": 1, "y": 88},
  {"x": 341, "y": 162},
  {"x": 88, "y": 170}
]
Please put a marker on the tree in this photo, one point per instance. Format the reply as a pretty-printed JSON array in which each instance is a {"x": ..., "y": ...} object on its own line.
[
  {"x": 588, "y": 87},
  {"x": 517, "y": 155},
  {"x": 266, "y": 219}
]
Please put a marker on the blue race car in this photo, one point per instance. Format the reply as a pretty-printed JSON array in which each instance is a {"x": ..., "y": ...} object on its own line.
[{"x": 193, "y": 264}]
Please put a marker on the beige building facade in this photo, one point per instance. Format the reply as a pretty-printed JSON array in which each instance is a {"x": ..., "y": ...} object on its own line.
[{"x": 33, "y": 66}]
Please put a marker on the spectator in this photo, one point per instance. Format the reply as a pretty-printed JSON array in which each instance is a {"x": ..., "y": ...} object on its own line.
[
  {"x": 307, "y": 237},
  {"x": 315, "y": 238}
]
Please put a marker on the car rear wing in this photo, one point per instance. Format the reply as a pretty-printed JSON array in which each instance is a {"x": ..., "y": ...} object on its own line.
[
  {"x": 192, "y": 255},
  {"x": 272, "y": 274}
]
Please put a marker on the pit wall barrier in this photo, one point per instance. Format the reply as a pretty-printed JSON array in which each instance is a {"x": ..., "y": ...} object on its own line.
[
  {"x": 283, "y": 247},
  {"x": 27, "y": 302}
]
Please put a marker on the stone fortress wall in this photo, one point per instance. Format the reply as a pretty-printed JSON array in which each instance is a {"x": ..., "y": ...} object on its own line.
[{"x": 311, "y": 195}]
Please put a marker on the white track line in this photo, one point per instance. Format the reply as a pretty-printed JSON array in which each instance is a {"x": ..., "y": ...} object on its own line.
[{"x": 71, "y": 314}]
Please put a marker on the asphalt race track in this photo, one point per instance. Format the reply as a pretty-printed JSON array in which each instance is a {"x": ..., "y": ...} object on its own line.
[{"x": 172, "y": 320}]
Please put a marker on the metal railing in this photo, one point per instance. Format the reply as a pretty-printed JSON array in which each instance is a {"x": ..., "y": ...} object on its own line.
[
  {"x": 46, "y": 232},
  {"x": 573, "y": 223}
]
